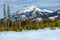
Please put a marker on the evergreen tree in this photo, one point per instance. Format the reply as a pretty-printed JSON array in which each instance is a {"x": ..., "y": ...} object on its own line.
[
  {"x": 8, "y": 15},
  {"x": 4, "y": 11},
  {"x": 8, "y": 11},
  {"x": 5, "y": 22}
]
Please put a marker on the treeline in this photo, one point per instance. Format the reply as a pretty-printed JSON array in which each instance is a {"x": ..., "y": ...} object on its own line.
[{"x": 20, "y": 25}]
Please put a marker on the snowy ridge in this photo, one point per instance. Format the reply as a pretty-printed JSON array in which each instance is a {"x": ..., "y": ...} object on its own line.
[
  {"x": 48, "y": 11},
  {"x": 28, "y": 9},
  {"x": 52, "y": 18}
]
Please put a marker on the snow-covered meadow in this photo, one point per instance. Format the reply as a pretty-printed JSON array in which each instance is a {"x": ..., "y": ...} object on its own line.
[{"x": 40, "y": 34}]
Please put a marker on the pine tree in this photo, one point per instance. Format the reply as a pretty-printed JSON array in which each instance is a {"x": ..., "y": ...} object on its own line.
[
  {"x": 4, "y": 11},
  {"x": 5, "y": 22},
  {"x": 8, "y": 11},
  {"x": 8, "y": 15}
]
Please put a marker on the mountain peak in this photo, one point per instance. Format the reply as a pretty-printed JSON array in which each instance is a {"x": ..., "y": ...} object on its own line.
[
  {"x": 31, "y": 8},
  {"x": 36, "y": 8}
]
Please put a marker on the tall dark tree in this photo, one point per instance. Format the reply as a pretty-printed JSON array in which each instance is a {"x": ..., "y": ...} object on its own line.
[
  {"x": 8, "y": 11},
  {"x": 4, "y": 8},
  {"x": 8, "y": 15}
]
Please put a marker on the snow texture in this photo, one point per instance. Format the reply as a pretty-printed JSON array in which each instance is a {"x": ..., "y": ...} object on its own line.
[{"x": 40, "y": 34}]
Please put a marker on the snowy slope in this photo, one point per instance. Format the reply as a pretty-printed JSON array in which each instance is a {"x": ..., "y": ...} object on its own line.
[{"x": 41, "y": 34}]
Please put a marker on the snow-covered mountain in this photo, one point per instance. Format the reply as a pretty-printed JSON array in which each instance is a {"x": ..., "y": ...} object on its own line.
[
  {"x": 30, "y": 13},
  {"x": 34, "y": 12}
]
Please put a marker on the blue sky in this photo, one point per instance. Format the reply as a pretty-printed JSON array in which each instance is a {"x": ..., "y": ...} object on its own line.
[{"x": 21, "y": 4}]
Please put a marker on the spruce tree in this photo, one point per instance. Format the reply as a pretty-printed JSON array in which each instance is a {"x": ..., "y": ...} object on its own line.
[
  {"x": 4, "y": 11},
  {"x": 8, "y": 15}
]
